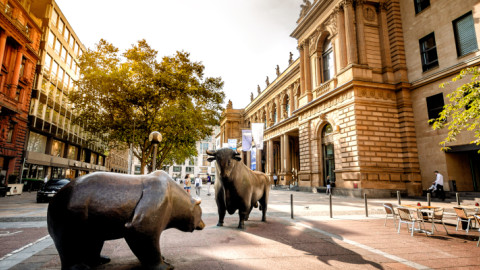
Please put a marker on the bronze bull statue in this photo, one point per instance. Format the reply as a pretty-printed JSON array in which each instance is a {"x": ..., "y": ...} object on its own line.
[
  {"x": 104, "y": 206},
  {"x": 238, "y": 187}
]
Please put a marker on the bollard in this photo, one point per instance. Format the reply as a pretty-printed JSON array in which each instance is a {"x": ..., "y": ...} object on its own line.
[
  {"x": 366, "y": 205},
  {"x": 330, "y": 197},
  {"x": 428, "y": 198},
  {"x": 291, "y": 206},
  {"x": 398, "y": 197},
  {"x": 458, "y": 198}
]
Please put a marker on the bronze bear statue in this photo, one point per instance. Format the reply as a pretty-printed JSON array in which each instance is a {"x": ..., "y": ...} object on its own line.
[{"x": 105, "y": 206}]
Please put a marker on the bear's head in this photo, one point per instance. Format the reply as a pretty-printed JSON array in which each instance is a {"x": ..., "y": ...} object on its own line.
[{"x": 186, "y": 211}]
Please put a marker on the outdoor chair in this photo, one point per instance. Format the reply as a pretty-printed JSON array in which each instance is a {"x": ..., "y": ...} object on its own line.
[
  {"x": 405, "y": 217},
  {"x": 477, "y": 219},
  {"x": 464, "y": 217},
  {"x": 438, "y": 217},
  {"x": 390, "y": 213}
]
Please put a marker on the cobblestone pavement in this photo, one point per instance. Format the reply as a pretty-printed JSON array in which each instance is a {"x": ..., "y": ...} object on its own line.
[{"x": 312, "y": 240}]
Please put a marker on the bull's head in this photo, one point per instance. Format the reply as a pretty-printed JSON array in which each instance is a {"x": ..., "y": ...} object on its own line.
[{"x": 226, "y": 159}]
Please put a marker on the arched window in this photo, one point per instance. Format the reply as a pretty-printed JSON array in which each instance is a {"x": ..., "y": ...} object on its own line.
[
  {"x": 327, "y": 61},
  {"x": 274, "y": 114},
  {"x": 287, "y": 106}
]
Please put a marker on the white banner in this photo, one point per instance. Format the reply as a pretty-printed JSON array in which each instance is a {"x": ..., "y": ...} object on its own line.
[
  {"x": 257, "y": 134},
  {"x": 246, "y": 140}
]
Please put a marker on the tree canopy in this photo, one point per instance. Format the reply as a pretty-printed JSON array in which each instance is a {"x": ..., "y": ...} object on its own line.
[
  {"x": 126, "y": 97},
  {"x": 463, "y": 111}
]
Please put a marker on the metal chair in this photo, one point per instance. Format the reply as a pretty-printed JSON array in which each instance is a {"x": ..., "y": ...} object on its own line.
[
  {"x": 477, "y": 219},
  {"x": 438, "y": 217},
  {"x": 390, "y": 213},
  {"x": 463, "y": 216},
  {"x": 405, "y": 217}
]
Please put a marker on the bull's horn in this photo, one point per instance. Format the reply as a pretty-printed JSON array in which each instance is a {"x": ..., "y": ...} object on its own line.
[
  {"x": 237, "y": 153},
  {"x": 211, "y": 152}
]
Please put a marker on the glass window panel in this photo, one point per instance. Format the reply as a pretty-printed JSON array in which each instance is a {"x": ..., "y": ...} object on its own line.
[
  {"x": 66, "y": 34},
  {"x": 36, "y": 142},
  {"x": 64, "y": 54},
  {"x": 40, "y": 108},
  {"x": 69, "y": 60},
  {"x": 48, "y": 62},
  {"x": 61, "y": 25},
  {"x": 54, "y": 68},
  {"x": 54, "y": 18},
  {"x": 51, "y": 39},
  {"x": 72, "y": 42},
  {"x": 58, "y": 148},
  {"x": 465, "y": 37},
  {"x": 58, "y": 46}
]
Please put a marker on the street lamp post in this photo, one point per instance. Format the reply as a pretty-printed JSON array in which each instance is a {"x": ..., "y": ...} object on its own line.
[{"x": 155, "y": 138}]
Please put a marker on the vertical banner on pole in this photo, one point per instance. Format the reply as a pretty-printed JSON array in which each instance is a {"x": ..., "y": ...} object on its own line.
[
  {"x": 253, "y": 159},
  {"x": 257, "y": 134},
  {"x": 246, "y": 140}
]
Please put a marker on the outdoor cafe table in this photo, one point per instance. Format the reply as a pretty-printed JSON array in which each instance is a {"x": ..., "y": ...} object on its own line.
[{"x": 428, "y": 210}]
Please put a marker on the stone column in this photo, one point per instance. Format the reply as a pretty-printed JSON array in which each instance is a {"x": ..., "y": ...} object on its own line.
[
  {"x": 282, "y": 155},
  {"x": 279, "y": 109},
  {"x": 287, "y": 162},
  {"x": 291, "y": 99},
  {"x": 258, "y": 166},
  {"x": 342, "y": 52},
  {"x": 3, "y": 43},
  {"x": 350, "y": 33},
  {"x": 308, "y": 72},
  {"x": 269, "y": 160},
  {"x": 362, "y": 54},
  {"x": 18, "y": 64},
  {"x": 302, "y": 67}
]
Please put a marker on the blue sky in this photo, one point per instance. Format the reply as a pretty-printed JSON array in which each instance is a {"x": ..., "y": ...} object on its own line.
[{"x": 241, "y": 41}]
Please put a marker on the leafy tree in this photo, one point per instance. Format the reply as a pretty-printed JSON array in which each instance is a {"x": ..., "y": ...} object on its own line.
[
  {"x": 126, "y": 97},
  {"x": 463, "y": 111}
]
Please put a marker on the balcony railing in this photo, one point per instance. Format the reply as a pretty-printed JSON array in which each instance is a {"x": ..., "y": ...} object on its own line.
[{"x": 8, "y": 12}]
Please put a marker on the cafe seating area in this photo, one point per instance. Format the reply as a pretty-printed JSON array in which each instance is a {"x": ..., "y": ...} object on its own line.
[{"x": 418, "y": 216}]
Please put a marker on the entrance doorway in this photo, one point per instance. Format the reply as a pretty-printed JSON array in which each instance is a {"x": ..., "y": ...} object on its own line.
[{"x": 328, "y": 151}]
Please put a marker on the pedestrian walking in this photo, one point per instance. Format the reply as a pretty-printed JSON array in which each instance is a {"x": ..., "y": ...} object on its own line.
[
  {"x": 187, "y": 183},
  {"x": 209, "y": 183},
  {"x": 439, "y": 185},
  {"x": 198, "y": 185},
  {"x": 329, "y": 186},
  {"x": 275, "y": 179}
]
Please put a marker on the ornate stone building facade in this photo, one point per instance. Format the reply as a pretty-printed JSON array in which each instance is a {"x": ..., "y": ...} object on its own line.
[
  {"x": 20, "y": 36},
  {"x": 343, "y": 110}
]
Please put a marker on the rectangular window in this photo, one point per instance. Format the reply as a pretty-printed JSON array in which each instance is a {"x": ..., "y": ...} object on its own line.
[
  {"x": 435, "y": 106},
  {"x": 177, "y": 169},
  {"x": 72, "y": 42},
  {"x": 48, "y": 62},
  {"x": 64, "y": 54},
  {"x": 54, "y": 18},
  {"x": 51, "y": 39},
  {"x": 40, "y": 110},
  {"x": 69, "y": 61},
  {"x": 36, "y": 143},
  {"x": 54, "y": 68},
  {"x": 203, "y": 170},
  {"x": 421, "y": 5},
  {"x": 428, "y": 52},
  {"x": 57, "y": 148},
  {"x": 465, "y": 37},
  {"x": 189, "y": 169},
  {"x": 61, "y": 24},
  {"x": 66, "y": 34},
  {"x": 58, "y": 46}
]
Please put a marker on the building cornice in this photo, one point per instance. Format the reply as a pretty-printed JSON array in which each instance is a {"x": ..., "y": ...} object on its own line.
[
  {"x": 289, "y": 74},
  {"x": 318, "y": 8}
]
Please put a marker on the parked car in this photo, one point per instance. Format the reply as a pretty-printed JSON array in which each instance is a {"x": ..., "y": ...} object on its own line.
[{"x": 50, "y": 189}]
